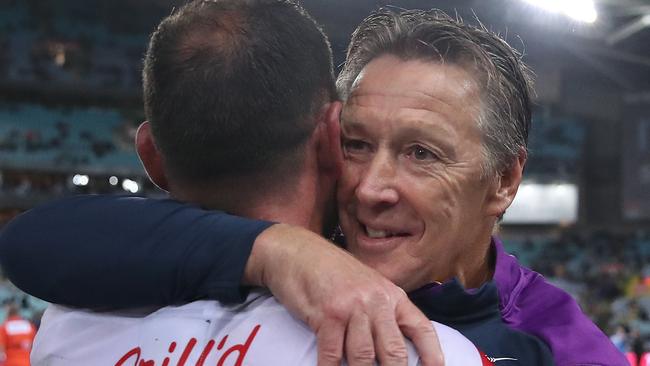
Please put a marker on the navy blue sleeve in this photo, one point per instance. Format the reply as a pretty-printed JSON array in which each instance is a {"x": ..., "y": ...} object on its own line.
[{"x": 115, "y": 251}]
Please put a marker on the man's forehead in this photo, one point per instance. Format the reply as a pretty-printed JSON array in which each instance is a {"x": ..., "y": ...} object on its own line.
[
  {"x": 410, "y": 99},
  {"x": 415, "y": 81}
]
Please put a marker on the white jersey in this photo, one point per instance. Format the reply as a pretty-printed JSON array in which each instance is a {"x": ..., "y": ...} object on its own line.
[{"x": 202, "y": 333}]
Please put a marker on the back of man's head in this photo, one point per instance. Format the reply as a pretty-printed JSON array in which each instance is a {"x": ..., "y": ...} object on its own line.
[{"x": 231, "y": 88}]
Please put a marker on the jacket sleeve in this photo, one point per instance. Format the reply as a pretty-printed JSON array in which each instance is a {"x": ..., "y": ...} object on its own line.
[{"x": 107, "y": 252}]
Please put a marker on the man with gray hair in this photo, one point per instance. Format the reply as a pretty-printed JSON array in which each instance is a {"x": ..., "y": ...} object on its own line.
[
  {"x": 434, "y": 132},
  {"x": 434, "y": 127}
]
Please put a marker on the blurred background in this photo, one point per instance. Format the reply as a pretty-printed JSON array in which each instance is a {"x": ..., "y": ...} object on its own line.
[{"x": 70, "y": 101}]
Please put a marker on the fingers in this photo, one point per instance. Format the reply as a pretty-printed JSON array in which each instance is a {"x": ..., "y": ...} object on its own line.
[
  {"x": 329, "y": 337},
  {"x": 370, "y": 315},
  {"x": 359, "y": 346},
  {"x": 389, "y": 341},
  {"x": 420, "y": 331}
]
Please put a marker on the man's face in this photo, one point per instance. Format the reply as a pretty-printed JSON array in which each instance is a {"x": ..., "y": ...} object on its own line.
[{"x": 411, "y": 197}]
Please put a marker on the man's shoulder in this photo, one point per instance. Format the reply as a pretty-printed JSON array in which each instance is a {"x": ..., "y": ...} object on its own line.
[
  {"x": 533, "y": 305},
  {"x": 524, "y": 292},
  {"x": 536, "y": 303},
  {"x": 260, "y": 331},
  {"x": 258, "y": 305}
]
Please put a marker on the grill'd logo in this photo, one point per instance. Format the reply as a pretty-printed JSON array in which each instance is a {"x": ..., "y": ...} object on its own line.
[{"x": 134, "y": 356}]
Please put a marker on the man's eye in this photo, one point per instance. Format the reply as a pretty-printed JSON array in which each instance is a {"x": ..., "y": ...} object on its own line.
[
  {"x": 420, "y": 153},
  {"x": 355, "y": 145}
]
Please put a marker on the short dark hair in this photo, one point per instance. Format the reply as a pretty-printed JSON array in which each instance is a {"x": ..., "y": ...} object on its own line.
[
  {"x": 231, "y": 86},
  {"x": 506, "y": 82}
]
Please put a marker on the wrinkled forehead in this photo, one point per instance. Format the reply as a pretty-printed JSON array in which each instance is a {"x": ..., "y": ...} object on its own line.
[
  {"x": 415, "y": 79},
  {"x": 414, "y": 85}
]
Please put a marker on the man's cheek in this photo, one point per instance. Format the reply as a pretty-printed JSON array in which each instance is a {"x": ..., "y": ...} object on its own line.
[{"x": 346, "y": 186}]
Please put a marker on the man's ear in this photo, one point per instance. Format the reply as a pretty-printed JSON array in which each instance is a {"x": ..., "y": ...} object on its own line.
[
  {"x": 150, "y": 156},
  {"x": 330, "y": 155},
  {"x": 507, "y": 184}
]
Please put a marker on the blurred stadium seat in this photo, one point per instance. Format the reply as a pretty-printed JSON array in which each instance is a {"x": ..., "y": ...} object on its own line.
[{"x": 39, "y": 137}]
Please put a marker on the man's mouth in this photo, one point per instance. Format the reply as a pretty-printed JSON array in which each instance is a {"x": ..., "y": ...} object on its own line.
[{"x": 375, "y": 233}]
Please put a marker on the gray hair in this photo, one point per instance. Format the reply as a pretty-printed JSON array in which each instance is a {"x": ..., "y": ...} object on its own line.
[{"x": 506, "y": 82}]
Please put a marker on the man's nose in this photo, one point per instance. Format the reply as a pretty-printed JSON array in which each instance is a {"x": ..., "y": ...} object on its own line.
[{"x": 377, "y": 185}]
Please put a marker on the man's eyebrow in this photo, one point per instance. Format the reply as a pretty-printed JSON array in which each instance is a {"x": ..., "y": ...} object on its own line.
[
  {"x": 428, "y": 128},
  {"x": 350, "y": 124}
]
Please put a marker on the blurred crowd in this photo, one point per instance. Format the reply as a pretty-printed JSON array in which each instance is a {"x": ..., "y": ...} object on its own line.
[
  {"x": 69, "y": 44},
  {"x": 23, "y": 189},
  {"x": 29, "y": 307},
  {"x": 20, "y": 315},
  {"x": 68, "y": 138},
  {"x": 32, "y": 140},
  {"x": 22, "y": 183}
]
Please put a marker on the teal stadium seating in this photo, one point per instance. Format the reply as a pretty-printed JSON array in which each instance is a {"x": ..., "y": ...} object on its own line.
[{"x": 88, "y": 129}]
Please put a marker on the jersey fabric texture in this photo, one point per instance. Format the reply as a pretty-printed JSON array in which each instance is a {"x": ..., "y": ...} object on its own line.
[{"x": 257, "y": 332}]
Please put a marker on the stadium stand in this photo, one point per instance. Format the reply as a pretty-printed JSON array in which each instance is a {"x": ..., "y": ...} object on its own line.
[
  {"x": 53, "y": 47},
  {"x": 556, "y": 147},
  {"x": 38, "y": 137}
]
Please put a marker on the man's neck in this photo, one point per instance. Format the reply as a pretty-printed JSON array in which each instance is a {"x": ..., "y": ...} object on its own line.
[
  {"x": 479, "y": 261},
  {"x": 297, "y": 211},
  {"x": 297, "y": 203}
]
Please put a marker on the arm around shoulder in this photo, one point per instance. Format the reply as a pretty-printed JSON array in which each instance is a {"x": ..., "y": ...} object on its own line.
[{"x": 104, "y": 251}]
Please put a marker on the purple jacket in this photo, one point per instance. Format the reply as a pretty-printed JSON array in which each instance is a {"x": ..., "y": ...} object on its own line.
[{"x": 530, "y": 304}]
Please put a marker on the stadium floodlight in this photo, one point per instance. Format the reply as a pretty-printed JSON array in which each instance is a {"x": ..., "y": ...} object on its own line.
[
  {"x": 580, "y": 10},
  {"x": 538, "y": 203},
  {"x": 130, "y": 186},
  {"x": 80, "y": 180}
]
